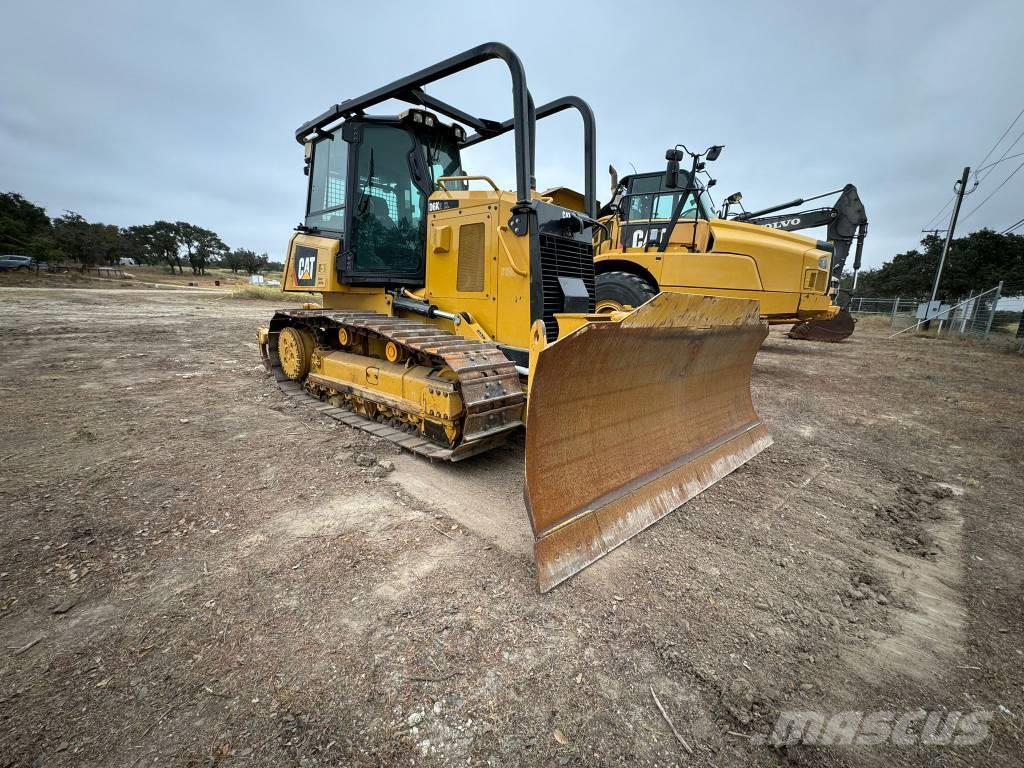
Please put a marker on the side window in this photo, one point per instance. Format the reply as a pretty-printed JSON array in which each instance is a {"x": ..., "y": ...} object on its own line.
[
  {"x": 640, "y": 207},
  {"x": 667, "y": 202},
  {"x": 641, "y": 201},
  {"x": 327, "y": 184},
  {"x": 443, "y": 160}
]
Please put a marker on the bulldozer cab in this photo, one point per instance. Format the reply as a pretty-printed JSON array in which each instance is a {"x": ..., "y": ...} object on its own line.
[
  {"x": 388, "y": 200},
  {"x": 369, "y": 184}
]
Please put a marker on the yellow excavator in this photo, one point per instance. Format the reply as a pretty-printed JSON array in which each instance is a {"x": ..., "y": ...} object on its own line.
[
  {"x": 453, "y": 317},
  {"x": 663, "y": 233}
]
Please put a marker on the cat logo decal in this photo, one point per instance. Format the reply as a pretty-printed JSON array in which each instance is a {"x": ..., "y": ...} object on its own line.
[{"x": 305, "y": 265}]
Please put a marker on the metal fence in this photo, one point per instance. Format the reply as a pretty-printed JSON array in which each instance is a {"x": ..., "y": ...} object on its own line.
[
  {"x": 989, "y": 314},
  {"x": 113, "y": 272}
]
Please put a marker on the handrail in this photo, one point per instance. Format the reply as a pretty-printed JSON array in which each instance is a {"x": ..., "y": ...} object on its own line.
[
  {"x": 488, "y": 179},
  {"x": 508, "y": 253}
]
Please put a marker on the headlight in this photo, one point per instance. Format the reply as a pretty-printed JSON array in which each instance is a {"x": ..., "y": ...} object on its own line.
[{"x": 823, "y": 262}]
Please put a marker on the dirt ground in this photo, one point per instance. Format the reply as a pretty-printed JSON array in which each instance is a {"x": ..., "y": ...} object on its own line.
[{"x": 194, "y": 571}]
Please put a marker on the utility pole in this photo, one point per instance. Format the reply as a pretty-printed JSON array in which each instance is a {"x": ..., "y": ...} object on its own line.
[{"x": 949, "y": 235}]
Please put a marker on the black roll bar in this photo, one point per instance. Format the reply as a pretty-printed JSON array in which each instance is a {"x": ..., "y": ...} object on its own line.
[
  {"x": 410, "y": 90},
  {"x": 589, "y": 142}
]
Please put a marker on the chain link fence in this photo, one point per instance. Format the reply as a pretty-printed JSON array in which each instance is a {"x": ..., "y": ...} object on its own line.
[{"x": 996, "y": 313}]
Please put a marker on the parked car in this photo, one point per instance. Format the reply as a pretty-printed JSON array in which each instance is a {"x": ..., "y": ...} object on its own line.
[{"x": 12, "y": 262}]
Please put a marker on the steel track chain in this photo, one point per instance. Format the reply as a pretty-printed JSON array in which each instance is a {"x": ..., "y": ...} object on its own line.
[{"x": 492, "y": 395}]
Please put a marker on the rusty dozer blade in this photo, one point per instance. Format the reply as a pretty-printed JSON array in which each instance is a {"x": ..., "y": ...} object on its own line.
[
  {"x": 629, "y": 420},
  {"x": 834, "y": 329}
]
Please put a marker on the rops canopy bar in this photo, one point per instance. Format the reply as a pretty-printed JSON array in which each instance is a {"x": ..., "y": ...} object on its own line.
[
  {"x": 589, "y": 142},
  {"x": 409, "y": 89}
]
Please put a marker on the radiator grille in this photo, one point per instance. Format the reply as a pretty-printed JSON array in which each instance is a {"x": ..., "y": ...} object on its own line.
[
  {"x": 563, "y": 257},
  {"x": 471, "y": 258}
]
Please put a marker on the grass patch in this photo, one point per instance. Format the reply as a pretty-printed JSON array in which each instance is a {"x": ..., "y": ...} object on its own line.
[
  {"x": 877, "y": 322},
  {"x": 272, "y": 293}
]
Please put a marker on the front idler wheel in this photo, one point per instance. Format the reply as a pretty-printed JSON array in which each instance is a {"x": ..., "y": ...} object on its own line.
[{"x": 295, "y": 350}]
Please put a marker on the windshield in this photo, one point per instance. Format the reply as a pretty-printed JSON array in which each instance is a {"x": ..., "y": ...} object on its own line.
[
  {"x": 442, "y": 156},
  {"x": 649, "y": 200},
  {"x": 708, "y": 205}
]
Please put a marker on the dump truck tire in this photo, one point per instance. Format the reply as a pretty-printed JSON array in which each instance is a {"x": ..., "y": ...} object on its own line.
[{"x": 618, "y": 290}]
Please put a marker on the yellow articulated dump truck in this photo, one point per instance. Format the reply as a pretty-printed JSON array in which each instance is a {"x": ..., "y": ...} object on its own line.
[
  {"x": 663, "y": 233},
  {"x": 454, "y": 316}
]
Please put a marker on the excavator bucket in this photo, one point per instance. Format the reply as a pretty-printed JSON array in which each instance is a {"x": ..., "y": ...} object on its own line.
[
  {"x": 629, "y": 419},
  {"x": 834, "y": 329}
]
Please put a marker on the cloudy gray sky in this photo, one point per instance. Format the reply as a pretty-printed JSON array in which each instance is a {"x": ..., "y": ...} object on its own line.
[{"x": 127, "y": 112}]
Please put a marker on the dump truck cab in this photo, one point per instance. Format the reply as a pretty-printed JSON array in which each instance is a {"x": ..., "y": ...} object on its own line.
[{"x": 669, "y": 237}]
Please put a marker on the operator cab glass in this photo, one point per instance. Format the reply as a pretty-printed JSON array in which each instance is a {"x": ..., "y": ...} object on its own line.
[
  {"x": 388, "y": 206},
  {"x": 326, "y": 204},
  {"x": 647, "y": 199},
  {"x": 369, "y": 184}
]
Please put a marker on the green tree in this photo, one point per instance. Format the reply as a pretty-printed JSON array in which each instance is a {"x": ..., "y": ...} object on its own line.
[
  {"x": 158, "y": 242},
  {"x": 201, "y": 246},
  {"x": 975, "y": 262},
  {"x": 76, "y": 238},
  {"x": 233, "y": 260},
  {"x": 88, "y": 243},
  {"x": 25, "y": 228},
  {"x": 253, "y": 263}
]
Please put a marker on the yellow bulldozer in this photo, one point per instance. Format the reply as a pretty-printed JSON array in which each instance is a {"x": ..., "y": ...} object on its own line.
[
  {"x": 453, "y": 317},
  {"x": 662, "y": 232}
]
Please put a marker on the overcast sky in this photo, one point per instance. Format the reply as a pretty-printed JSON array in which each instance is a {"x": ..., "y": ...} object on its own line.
[{"x": 128, "y": 112}]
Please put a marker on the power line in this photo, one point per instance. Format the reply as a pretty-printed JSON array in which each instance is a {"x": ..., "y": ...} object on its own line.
[
  {"x": 1008, "y": 129},
  {"x": 934, "y": 218},
  {"x": 1002, "y": 157},
  {"x": 980, "y": 167},
  {"x": 994, "y": 191},
  {"x": 1009, "y": 229}
]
